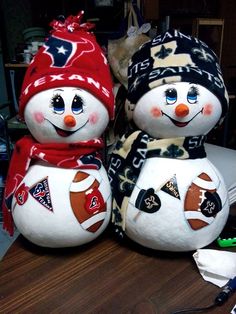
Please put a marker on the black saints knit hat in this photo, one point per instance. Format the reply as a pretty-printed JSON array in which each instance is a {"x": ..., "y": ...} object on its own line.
[{"x": 175, "y": 57}]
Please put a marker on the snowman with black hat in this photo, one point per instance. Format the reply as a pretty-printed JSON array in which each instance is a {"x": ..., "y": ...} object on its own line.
[{"x": 167, "y": 195}]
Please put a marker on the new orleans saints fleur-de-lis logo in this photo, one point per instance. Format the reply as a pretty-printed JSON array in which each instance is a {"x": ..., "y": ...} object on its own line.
[
  {"x": 203, "y": 55},
  {"x": 163, "y": 52},
  {"x": 148, "y": 201},
  {"x": 173, "y": 151},
  {"x": 151, "y": 202},
  {"x": 211, "y": 204},
  {"x": 126, "y": 180},
  {"x": 136, "y": 82}
]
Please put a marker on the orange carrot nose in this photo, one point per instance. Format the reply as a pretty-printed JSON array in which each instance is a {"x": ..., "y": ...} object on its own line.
[
  {"x": 69, "y": 121},
  {"x": 181, "y": 110}
]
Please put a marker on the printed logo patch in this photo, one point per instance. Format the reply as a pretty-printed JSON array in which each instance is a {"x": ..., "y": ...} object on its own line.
[
  {"x": 94, "y": 201},
  {"x": 62, "y": 52},
  {"x": 148, "y": 201},
  {"x": 171, "y": 187},
  {"x": 40, "y": 192},
  {"x": 211, "y": 204},
  {"x": 21, "y": 194}
]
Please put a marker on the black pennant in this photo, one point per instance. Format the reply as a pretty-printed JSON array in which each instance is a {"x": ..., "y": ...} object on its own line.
[
  {"x": 40, "y": 192},
  {"x": 171, "y": 187}
]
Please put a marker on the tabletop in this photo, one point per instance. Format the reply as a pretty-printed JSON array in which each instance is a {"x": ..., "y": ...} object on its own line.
[{"x": 105, "y": 276}]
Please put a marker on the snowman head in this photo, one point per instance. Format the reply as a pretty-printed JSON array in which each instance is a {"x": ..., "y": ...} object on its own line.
[
  {"x": 68, "y": 115},
  {"x": 176, "y": 73},
  {"x": 178, "y": 109},
  {"x": 67, "y": 91}
]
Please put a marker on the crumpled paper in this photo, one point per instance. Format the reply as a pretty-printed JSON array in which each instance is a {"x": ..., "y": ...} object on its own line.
[{"x": 215, "y": 266}]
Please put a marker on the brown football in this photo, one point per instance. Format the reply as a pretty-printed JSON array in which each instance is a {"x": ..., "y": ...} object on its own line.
[
  {"x": 202, "y": 202},
  {"x": 87, "y": 201}
]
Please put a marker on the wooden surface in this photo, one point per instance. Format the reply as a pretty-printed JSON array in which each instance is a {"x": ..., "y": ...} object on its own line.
[{"x": 105, "y": 276}]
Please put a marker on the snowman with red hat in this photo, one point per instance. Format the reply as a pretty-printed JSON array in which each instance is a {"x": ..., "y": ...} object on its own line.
[
  {"x": 167, "y": 195},
  {"x": 57, "y": 191}
]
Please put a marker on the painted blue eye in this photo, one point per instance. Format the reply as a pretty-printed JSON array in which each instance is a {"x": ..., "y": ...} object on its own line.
[
  {"x": 171, "y": 96},
  {"x": 192, "y": 95},
  {"x": 77, "y": 105},
  {"x": 58, "y": 104}
]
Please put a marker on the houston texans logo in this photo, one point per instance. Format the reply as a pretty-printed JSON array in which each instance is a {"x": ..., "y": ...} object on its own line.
[
  {"x": 21, "y": 198},
  {"x": 11, "y": 189},
  {"x": 39, "y": 191},
  {"x": 94, "y": 205},
  {"x": 94, "y": 201},
  {"x": 90, "y": 161},
  {"x": 63, "y": 53},
  {"x": 21, "y": 194}
]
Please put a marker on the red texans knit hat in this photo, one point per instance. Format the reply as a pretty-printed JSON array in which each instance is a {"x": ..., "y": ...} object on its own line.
[{"x": 70, "y": 57}]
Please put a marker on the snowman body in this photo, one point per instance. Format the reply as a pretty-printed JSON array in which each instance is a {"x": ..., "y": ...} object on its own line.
[
  {"x": 176, "y": 203},
  {"x": 59, "y": 206},
  {"x": 176, "y": 217},
  {"x": 63, "y": 205}
]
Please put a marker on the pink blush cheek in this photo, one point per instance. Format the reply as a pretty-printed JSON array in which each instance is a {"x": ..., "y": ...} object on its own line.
[
  {"x": 155, "y": 112},
  {"x": 207, "y": 110},
  {"x": 38, "y": 117},
  {"x": 93, "y": 118}
]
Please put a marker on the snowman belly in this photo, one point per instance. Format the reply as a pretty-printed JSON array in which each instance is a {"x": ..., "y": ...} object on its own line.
[
  {"x": 62, "y": 207},
  {"x": 165, "y": 209}
]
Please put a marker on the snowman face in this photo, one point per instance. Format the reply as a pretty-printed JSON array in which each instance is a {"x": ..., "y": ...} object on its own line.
[
  {"x": 178, "y": 109},
  {"x": 65, "y": 115}
]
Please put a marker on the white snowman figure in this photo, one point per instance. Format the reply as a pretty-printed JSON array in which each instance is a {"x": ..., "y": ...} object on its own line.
[
  {"x": 167, "y": 194},
  {"x": 57, "y": 191}
]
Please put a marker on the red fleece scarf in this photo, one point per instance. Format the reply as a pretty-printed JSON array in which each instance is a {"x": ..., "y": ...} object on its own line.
[{"x": 83, "y": 155}]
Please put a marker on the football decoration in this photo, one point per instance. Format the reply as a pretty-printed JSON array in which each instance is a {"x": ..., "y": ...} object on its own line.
[
  {"x": 87, "y": 201},
  {"x": 202, "y": 203}
]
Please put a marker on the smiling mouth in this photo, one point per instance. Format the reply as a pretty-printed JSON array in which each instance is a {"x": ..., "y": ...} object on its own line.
[
  {"x": 179, "y": 123},
  {"x": 65, "y": 133}
]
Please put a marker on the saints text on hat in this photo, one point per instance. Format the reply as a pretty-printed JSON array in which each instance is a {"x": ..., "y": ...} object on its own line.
[{"x": 175, "y": 57}]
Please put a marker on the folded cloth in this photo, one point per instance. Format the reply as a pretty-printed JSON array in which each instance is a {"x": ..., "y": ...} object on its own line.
[{"x": 216, "y": 266}]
